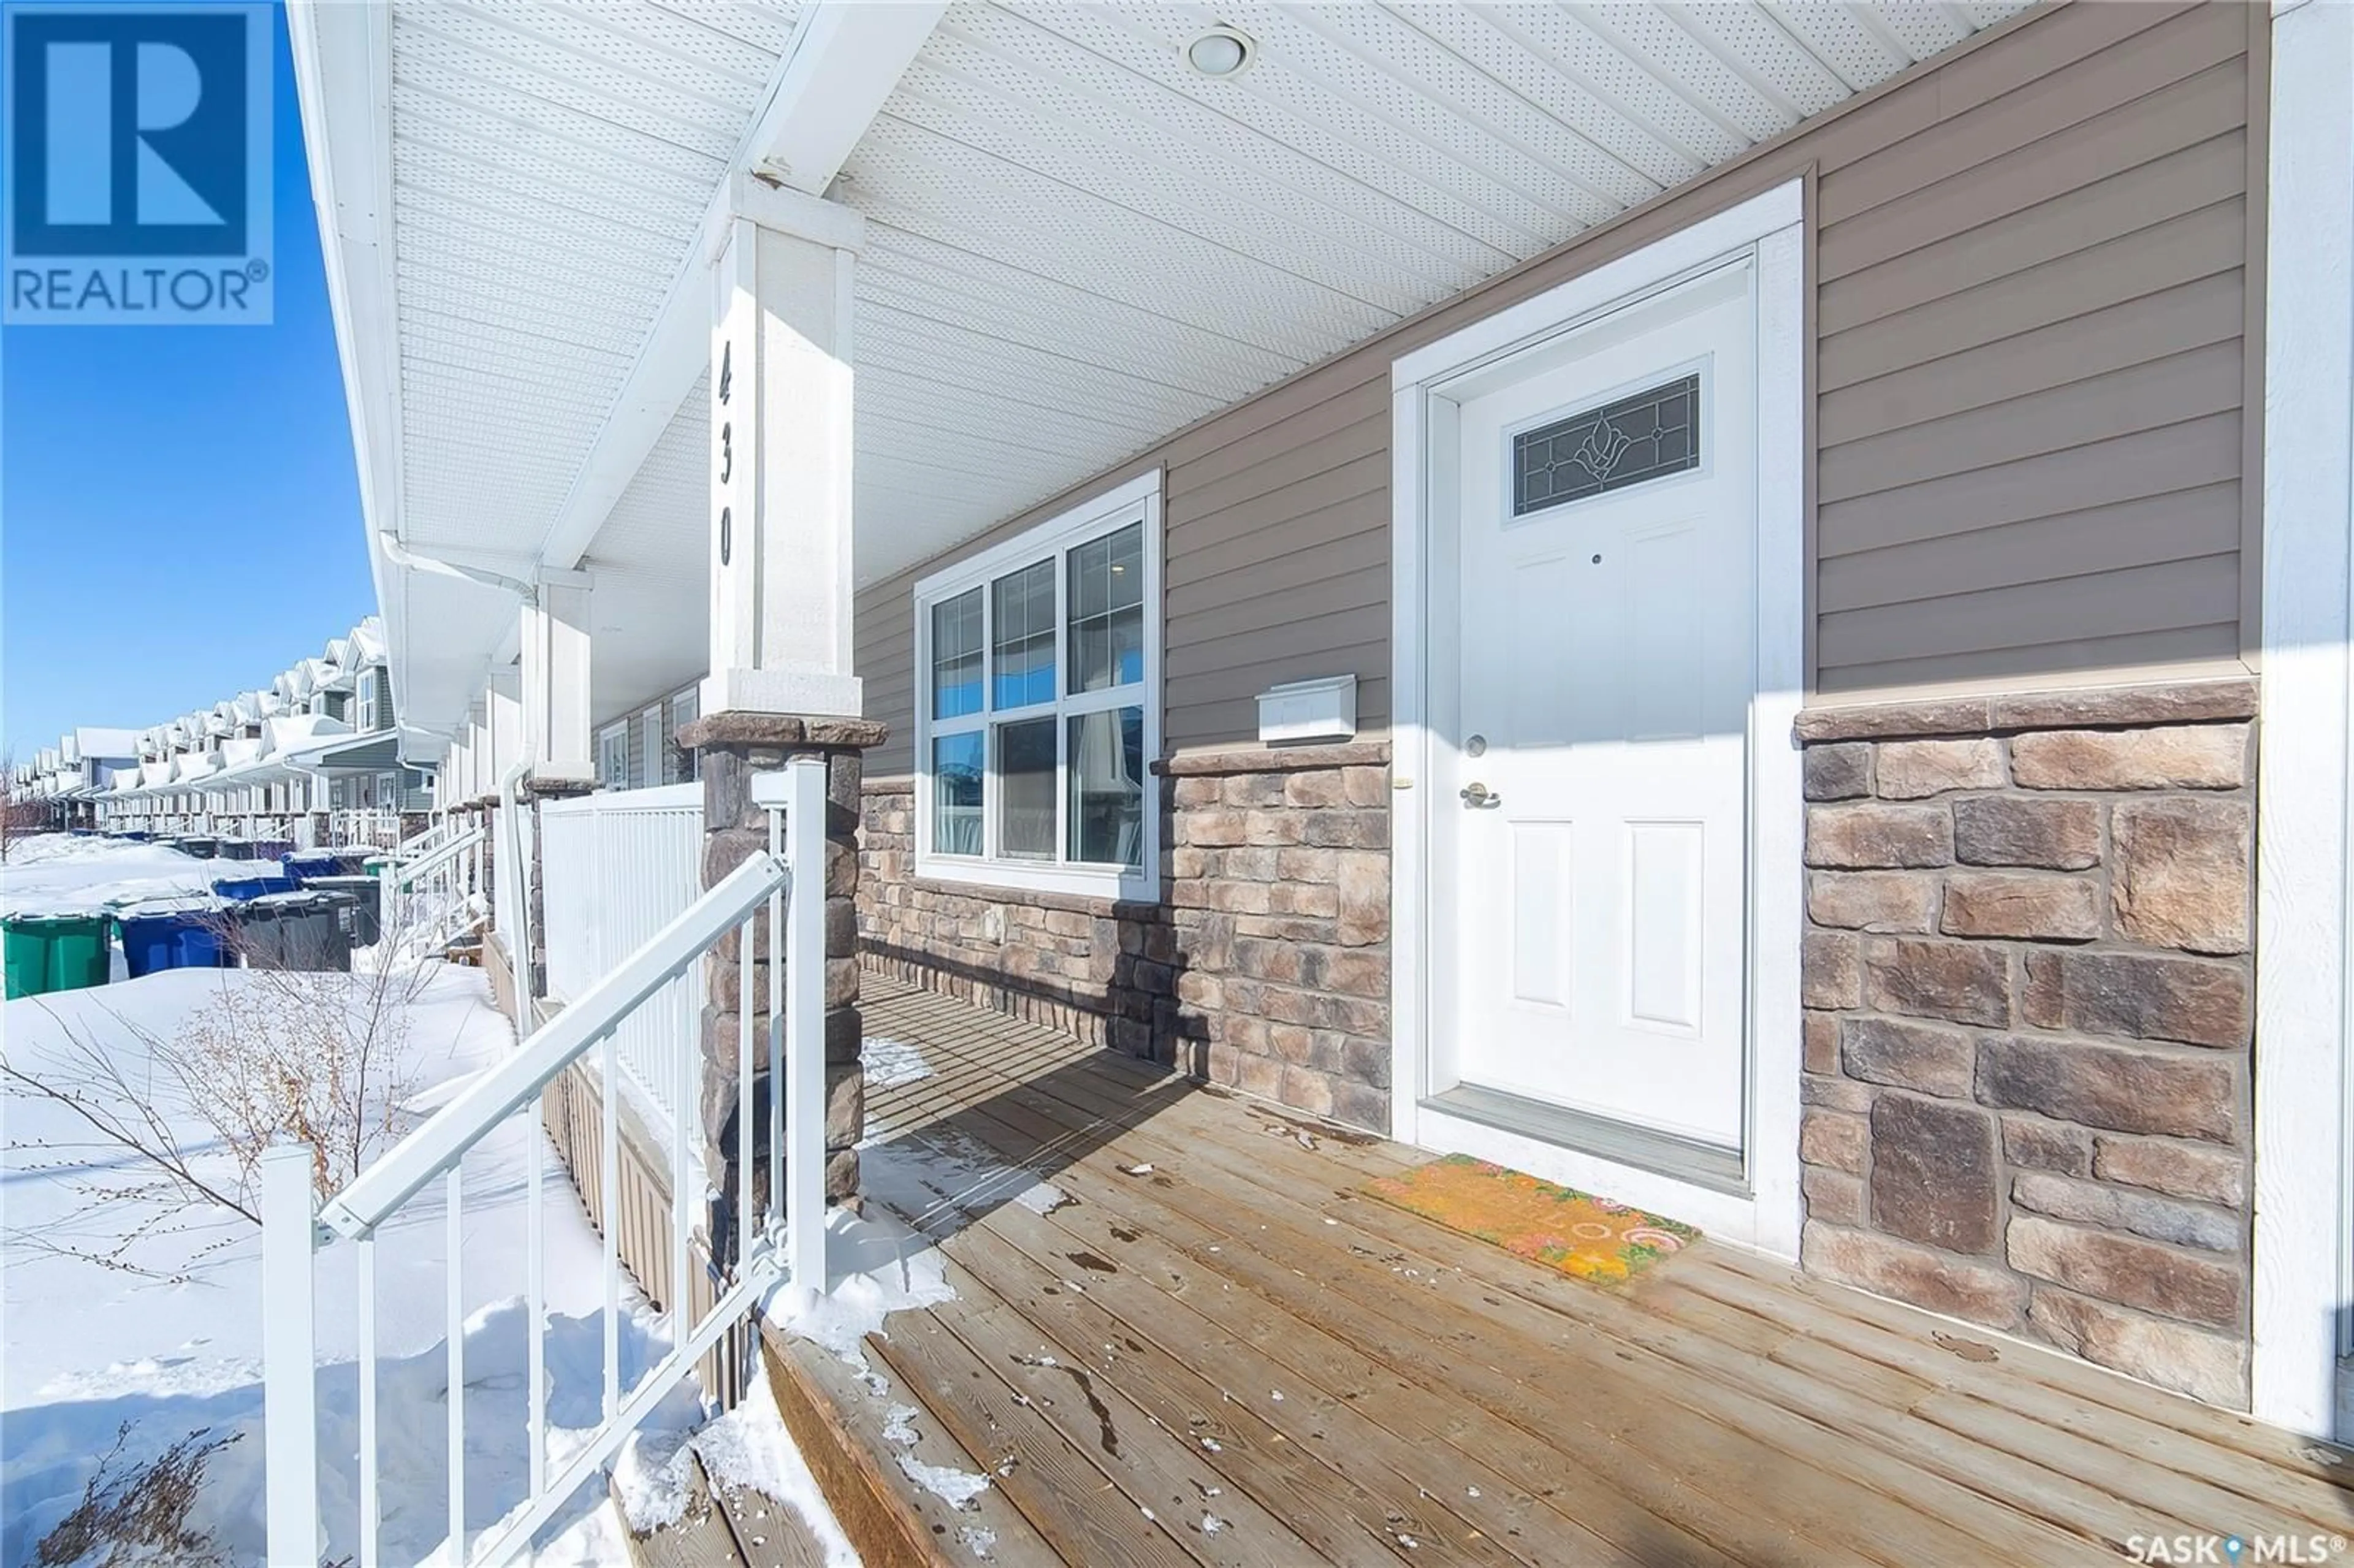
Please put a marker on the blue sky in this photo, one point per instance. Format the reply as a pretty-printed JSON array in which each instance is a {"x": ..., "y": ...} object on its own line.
[{"x": 179, "y": 519}]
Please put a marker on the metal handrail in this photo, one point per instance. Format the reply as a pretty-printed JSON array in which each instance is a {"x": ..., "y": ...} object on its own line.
[
  {"x": 784, "y": 1244},
  {"x": 400, "y": 874},
  {"x": 499, "y": 1093}
]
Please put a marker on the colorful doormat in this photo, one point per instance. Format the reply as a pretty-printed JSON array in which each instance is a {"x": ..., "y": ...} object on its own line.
[{"x": 1584, "y": 1237}]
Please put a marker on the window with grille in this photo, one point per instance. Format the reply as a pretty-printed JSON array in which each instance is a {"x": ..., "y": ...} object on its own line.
[{"x": 1038, "y": 705}]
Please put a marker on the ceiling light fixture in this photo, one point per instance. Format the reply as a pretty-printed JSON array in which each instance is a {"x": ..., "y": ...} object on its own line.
[{"x": 1221, "y": 51}]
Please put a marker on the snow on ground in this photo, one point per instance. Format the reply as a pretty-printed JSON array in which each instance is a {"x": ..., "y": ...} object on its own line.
[
  {"x": 88, "y": 1351},
  {"x": 57, "y": 874},
  {"x": 890, "y": 1064}
]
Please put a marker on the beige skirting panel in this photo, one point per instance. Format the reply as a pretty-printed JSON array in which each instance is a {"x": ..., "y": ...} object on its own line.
[{"x": 572, "y": 1110}]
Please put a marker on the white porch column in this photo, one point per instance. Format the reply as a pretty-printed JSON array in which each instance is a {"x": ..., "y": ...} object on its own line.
[
  {"x": 505, "y": 700},
  {"x": 780, "y": 445},
  {"x": 478, "y": 746},
  {"x": 2304, "y": 798},
  {"x": 556, "y": 647}
]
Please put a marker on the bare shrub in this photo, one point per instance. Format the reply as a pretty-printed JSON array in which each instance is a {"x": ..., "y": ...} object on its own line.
[
  {"x": 291, "y": 1053},
  {"x": 274, "y": 1054},
  {"x": 140, "y": 1514}
]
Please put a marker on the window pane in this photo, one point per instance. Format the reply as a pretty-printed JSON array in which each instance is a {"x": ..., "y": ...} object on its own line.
[
  {"x": 956, "y": 794},
  {"x": 1108, "y": 610},
  {"x": 1025, "y": 635},
  {"x": 1107, "y": 787},
  {"x": 1025, "y": 789},
  {"x": 956, "y": 656}
]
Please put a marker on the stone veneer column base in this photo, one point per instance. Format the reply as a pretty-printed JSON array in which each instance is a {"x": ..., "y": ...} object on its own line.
[
  {"x": 2027, "y": 972},
  {"x": 729, "y": 748},
  {"x": 1266, "y": 968}
]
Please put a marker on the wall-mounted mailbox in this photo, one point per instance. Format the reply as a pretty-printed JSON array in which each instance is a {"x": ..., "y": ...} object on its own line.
[{"x": 1321, "y": 709}]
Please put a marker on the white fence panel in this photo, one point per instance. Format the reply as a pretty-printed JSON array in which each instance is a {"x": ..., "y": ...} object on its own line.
[{"x": 615, "y": 868}]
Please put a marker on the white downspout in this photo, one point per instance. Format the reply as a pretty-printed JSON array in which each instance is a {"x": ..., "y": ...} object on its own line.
[{"x": 514, "y": 889}]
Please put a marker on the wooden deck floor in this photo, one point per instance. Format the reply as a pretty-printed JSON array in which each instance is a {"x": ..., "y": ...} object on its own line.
[{"x": 1204, "y": 1344}]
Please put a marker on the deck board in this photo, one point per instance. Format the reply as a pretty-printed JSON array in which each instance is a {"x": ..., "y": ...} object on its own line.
[{"x": 1114, "y": 1357}]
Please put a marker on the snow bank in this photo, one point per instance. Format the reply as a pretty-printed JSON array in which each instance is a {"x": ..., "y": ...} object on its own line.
[
  {"x": 57, "y": 874},
  {"x": 90, "y": 1349},
  {"x": 170, "y": 1343}
]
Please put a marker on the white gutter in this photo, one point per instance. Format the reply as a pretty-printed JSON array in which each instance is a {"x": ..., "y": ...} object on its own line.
[{"x": 400, "y": 555}]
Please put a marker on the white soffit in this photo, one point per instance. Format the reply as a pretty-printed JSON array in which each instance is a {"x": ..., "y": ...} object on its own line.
[
  {"x": 1077, "y": 244},
  {"x": 552, "y": 160}
]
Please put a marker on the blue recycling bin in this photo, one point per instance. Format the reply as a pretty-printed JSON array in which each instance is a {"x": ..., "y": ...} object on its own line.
[
  {"x": 302, "y": 865},
  {"x": 258, "y": 883},
  {"x": 189, "y": 938}
]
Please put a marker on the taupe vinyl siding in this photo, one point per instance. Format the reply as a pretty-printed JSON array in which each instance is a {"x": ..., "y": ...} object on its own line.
[
  {"x": 2030, "y": 310},
  {"x": 883, "y": 642},
  {"x": 2031, "y": 366}
]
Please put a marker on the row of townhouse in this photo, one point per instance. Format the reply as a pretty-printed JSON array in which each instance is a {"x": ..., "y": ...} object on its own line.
[
  {"x": 1693, "y": 604},
  {"x": 313, "y": 752},
  {"x": 55, "y": 787}
]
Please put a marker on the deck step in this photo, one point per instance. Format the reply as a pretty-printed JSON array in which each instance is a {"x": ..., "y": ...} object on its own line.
[
  {"x": 842, "y": 1419},
  {"x": 726, "y": 1527}
]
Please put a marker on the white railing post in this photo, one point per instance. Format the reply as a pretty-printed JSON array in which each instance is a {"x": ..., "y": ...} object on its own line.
[
  {"x": 804, "y": 1004},
  {"x": 289, "y": 1353}
]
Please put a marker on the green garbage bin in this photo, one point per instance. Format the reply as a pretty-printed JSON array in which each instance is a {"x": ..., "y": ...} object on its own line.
[{"x": 55, "y": 952}]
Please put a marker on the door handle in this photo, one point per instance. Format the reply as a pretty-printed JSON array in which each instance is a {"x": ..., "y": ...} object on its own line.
[{"x": 1479, "y": 797}]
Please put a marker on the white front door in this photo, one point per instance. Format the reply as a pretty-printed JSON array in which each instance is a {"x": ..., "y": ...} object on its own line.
[{"x": 1599, "y": 785}]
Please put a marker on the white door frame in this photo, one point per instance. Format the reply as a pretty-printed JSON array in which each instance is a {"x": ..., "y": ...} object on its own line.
[
  {"x": 1771, "y": 227},
  {"x": 2303, "y": 963}
]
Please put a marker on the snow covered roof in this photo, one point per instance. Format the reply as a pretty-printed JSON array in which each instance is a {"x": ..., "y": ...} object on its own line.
[{"x": 111, "y": 744}]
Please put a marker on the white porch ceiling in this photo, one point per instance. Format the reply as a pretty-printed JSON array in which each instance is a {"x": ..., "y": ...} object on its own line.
[{"x": 1077, "y": 246}]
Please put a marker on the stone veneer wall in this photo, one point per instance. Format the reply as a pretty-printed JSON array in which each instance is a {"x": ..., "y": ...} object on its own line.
[
  {"x": 1266, "y": 968},
  {"x": 2028, "y": 981},
  {"x": 729, "y": 748}
]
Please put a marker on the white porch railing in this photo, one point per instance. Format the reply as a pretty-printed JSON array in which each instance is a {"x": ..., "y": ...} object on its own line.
[
  {"x": 769, "y": 1247},
  {"x": 425, "y": 899},
  {"x": 614, "y": 868},
  {"x": 374, "y": 827}
]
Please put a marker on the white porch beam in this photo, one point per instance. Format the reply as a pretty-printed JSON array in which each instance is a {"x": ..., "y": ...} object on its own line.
[
  {"x": 781, "y": 458},
  {"x": 555, "y": 646},
  {"x": 843, "y": 60}
]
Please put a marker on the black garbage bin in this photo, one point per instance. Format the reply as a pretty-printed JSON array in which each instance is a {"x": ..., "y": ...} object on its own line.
[
  {"x": 291, "y": 931},
  {"x": 302, "y": 933},
  {"x": 358, "y": 910},
  {"x": 253, "y": 934}
]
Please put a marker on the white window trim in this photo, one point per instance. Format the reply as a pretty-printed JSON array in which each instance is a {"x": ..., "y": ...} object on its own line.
[
  {"x": 1770, "y": 230},
  {"x": 618, "y": 731},
  {"x": 648, "y": 723},
  {"x": 1138, "y": 501}
]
